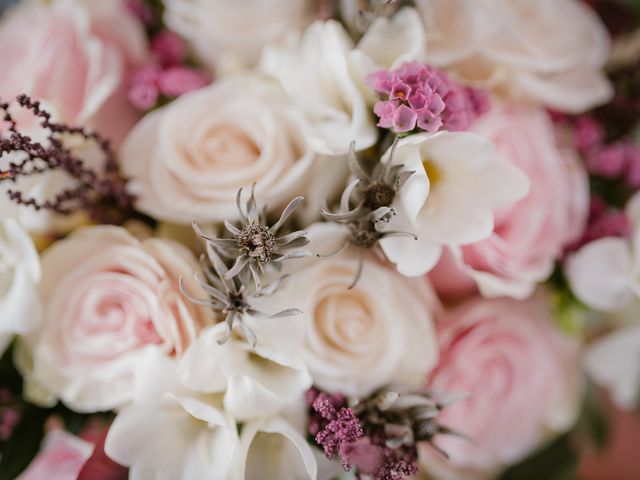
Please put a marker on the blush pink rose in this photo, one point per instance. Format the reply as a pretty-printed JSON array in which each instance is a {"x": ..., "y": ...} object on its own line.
[
  {"x": 523, "y": 381},
  {"x": 107, "y": 297},
  {"x": 76, "y": 56},
  {"x": 529, "y": 236}
]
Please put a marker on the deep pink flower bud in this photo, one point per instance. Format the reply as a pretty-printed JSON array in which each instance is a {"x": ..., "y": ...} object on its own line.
[
  {"x": 608, "y": 162},
  {"x": 588, "y": 133},
  {"x": 143, "y": 96},
  {"x": 169, "y": 48},
  {"x": 176, "y": 81}
]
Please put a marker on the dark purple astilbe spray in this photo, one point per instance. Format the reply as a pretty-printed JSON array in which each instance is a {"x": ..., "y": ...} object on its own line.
[
  {"x": 98, "y": 192},
  {"x": 377, "y": 435}
]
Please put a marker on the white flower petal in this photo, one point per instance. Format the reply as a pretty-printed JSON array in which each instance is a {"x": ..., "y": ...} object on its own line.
[
  {"x": 272, "y": 448},
  {"x": 614, "y": 362},
  {"x": 391, "y": 41},
  {"x": 599, "y": 274}
]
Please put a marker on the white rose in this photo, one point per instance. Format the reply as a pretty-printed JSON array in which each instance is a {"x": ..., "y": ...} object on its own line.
[
  {"x": 107, "y": 297},
  {"x": 529, "y": 49},
  {"x": 357, "y": 340},
  {"x": 188, "y": 160},
  {"x": 230, "y": 35},
  {"x": 320, "y": 73},
  {"x": 457, "y": 186},
  {"x": 171, "y": 432},
  {"x": 19, "y": 277}
]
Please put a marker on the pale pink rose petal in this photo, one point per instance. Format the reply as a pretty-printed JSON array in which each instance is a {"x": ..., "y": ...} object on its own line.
[{"x": 61, "y": 458}]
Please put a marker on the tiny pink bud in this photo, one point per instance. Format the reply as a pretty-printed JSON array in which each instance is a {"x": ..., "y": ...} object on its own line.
[{"x": 177, "y": 81}]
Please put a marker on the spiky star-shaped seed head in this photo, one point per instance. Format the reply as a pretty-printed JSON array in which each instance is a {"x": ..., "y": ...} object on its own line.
[{"x": 254, "y": 244}]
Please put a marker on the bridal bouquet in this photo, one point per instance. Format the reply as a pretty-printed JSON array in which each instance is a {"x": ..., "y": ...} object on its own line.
[{"x": 309, "y": 239}]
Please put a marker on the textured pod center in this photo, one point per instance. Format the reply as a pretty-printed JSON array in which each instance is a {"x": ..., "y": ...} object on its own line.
[
  {"x": 257, "y": 242},
  {"x": 378, "y": 195},
  {"x": 365, "y": 236}
]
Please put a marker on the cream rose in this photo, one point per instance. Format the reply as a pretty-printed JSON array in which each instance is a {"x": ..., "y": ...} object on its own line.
[
  {"x": 358, "y": 340},
  {"x": 231, "y": 35},
  {"x": 76, "y": 55},
  {"x": 523, "y": 380},
  {"x": 106, "y": 297},
  {"x": 525, "y": 48},
  {"x": 188, "y": 160},
  {"x": 19, "y": 277}
]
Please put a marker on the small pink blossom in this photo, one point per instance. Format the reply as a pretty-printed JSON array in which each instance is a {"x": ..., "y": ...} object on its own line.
[
  {"x": 419, "y": 96},
  {"x": 178, "y": 80},
  {"x": 368, "y": 457},
  {"x": 633, "y": 166},
  {"x": 169, "y": 48},
  {"x": 141, "y": 11},
  {"x": 151, "y": 81},
  {"x": 619, "y": 160},
  {"x": 588, "y": 133},
  {"x": 609, "y": 162},
  {"x": 602, "y": 223},
  {"x": 143, "y": 96}
]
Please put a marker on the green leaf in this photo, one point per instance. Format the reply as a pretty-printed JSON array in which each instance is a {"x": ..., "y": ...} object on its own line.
[
  {"x": 9, "y": 376},
  {"x": 557, "y": 461},
  {"x": 593, "y": 421},
  {"x": 24, "y": 442}
]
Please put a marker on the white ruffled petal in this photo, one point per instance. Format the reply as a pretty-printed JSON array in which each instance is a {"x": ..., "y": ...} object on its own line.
[{"x": 599, "y": 274}]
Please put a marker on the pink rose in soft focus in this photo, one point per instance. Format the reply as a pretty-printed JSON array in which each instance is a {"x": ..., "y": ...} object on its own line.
[
  {"x": 522, "y": 376},
  {"x": 107, "y": 296},
  {"x": 529, "y": 236},
  {"x": 76, "y": 56},
  {"x": 61, "y": 457}
]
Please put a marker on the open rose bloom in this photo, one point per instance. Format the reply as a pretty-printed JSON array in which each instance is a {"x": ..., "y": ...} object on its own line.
[{"x": 319, "y": 239}]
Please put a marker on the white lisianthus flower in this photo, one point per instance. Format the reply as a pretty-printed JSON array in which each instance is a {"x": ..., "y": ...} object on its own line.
[
  {"x": 318, "y": 71},
  {"x": 523, "y": 48},
  {"x": 358, "y": 340},
  {"x": 187, "y": 161},
  {"x": 231, "y": 35},
  {"x": 605, "y": 273},
  {"x": 255, "y": 382},
  {"x": 457, "y": 186},
  {"x": 171, "y": 432},
  {"x": 19, "y": 277},
  {"x": 272, "y": 448},
  {"x": 613, "y": 363},
  {"x": 390, "y": 41}
]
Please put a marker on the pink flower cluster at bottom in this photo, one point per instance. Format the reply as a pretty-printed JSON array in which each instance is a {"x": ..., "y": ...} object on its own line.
[{"x": 338, "y": 430}]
